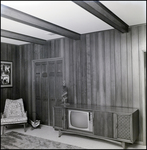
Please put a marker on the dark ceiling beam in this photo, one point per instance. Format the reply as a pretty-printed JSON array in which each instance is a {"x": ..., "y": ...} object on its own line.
[
  {"x": 21, "y": 17},
  {"x": 21, "y": 37},
  {"x": 103, "y": 13}
]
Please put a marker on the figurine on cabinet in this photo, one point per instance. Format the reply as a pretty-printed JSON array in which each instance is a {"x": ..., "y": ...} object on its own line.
[{"x": 65, "y": 94}]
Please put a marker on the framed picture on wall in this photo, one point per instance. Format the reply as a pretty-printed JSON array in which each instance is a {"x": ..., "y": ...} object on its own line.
[{"x": 6, "y": 74}]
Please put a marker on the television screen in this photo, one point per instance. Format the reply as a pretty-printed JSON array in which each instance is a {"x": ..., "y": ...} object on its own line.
[{"x": 79, "y": 119}]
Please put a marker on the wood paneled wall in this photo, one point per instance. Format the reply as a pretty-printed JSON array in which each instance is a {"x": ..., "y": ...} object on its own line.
[
  {"x": 103, "y": 68},
  {"x": 11, "y": 53}
]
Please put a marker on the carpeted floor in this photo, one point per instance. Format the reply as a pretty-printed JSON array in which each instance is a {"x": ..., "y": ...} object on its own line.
[{"x": 15, "y": 140}]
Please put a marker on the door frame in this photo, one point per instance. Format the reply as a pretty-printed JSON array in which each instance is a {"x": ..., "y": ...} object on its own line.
[
  {"x": 33, "y": 80},
  {"x": 142, "y": 72},
  {"x": 144, "y": 97}
]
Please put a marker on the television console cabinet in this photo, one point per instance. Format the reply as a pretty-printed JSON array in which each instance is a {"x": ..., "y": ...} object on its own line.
[{"x": 109, "y": 123}]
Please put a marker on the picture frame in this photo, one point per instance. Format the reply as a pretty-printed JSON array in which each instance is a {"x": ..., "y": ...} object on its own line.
[{"x": 6, "y": 74}]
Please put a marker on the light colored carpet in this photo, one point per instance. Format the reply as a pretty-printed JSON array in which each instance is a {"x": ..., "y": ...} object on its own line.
[{"x": 15, "y": 140}]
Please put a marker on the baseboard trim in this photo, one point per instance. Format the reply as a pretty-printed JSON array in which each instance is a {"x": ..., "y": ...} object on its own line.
[
  {"x": 45, "y": 125},
  {"x": 139, "y": 142}
]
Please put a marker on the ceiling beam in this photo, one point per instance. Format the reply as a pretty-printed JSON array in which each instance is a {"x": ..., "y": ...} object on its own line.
[
  {"x": 103, "y": 13},
  {"x": 21, "y": 17},
  {"x": 21, "y": 37}
]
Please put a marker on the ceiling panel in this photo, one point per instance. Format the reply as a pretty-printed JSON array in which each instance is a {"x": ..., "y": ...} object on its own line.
[
  {"x": 131, "y": 12},
  {"x": 69, "y": 15},
  {"x": 21, "y": 28},
  {"x": 63, "y": 13},
  {"x": 12, "y": 41}
]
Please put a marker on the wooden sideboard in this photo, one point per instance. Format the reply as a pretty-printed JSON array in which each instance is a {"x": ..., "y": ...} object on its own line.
[{"x": 109, "y": 123}]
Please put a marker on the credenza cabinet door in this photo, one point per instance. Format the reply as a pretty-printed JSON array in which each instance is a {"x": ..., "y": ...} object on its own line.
[
  {"x": 126, "y": 127},
  {"x": 103, "y": 124},
  {"x": 58, "y": 117}
]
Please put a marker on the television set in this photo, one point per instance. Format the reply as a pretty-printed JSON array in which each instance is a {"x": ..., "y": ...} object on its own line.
[{"x": 80, "y": 120}]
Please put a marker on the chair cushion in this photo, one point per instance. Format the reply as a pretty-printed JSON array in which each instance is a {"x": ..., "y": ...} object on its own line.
[{"x": 13, "y": 120}]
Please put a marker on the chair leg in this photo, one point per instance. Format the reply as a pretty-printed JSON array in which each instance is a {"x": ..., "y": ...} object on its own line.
[
  {"x": 24, "y": 127},
  {"x": 3, "y": 128}
]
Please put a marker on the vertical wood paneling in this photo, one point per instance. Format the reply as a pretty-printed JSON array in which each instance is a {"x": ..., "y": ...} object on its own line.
[
  {"x": 13, "y": 58},
  {"x": 83, "y": 70},
  {"x": 103, "y": 68},
  {"x": 135, "y": 66},
  {"x": 129, "y": 67},
  {"x": 101, "y": 63},
  {"x": 52, "y": 48},
  {"x": 55, "y": 48},
  {"x": 17, "y": 74},
  {"x": 29, "y": 74},
  {"x": 107, "y": 68},
  {"x": 49, "y": 49},
  {"x": 61, "y": 52},
  {"x": 93, "y": 69},
  {"x": 22, "y": 71},
  {"x": 58, "y": 48},
  {"x": 41, "y": 49},
  {"x": 3, "y": 90},
  {"x": 4, "y": 52},
  {"x": 66, "y": 60},
  {"x": 97, "y": 69},
  {"x": 45, "y": 51},
  {"x": 71, "y": 72},
  {"x": 25, "y": 78},
  {"x": 124, "y": 69},
  {"x": 88, "y": 68},
  {"x": 74, "y": 72},
  {"x": 78, "y": 72},
  {"x": 112, "y": 68},
  {"x": 9, "y": 49},
  {"x": 9, "y": 57},
  {"x": 117, "y": 69},
  {"x": 36, "y": 51},
  {"x": 20, "y": 49}
]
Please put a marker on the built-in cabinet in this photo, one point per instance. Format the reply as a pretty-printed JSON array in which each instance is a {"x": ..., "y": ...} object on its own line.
[
  {"x": 41, "y": 91},
  {"x": 47, "y": 80},
  {"x": 109, "y": 123}
]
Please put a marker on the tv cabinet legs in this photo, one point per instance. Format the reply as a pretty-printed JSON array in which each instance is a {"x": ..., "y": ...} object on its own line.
[
  {"x": 60, "y": 133},
  {"x": 123, "y": 145},
  {"x": 3, "y": 129}
]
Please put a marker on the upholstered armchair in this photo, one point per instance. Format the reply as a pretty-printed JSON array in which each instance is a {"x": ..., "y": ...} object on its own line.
[{"x": 14, "y": 113}]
